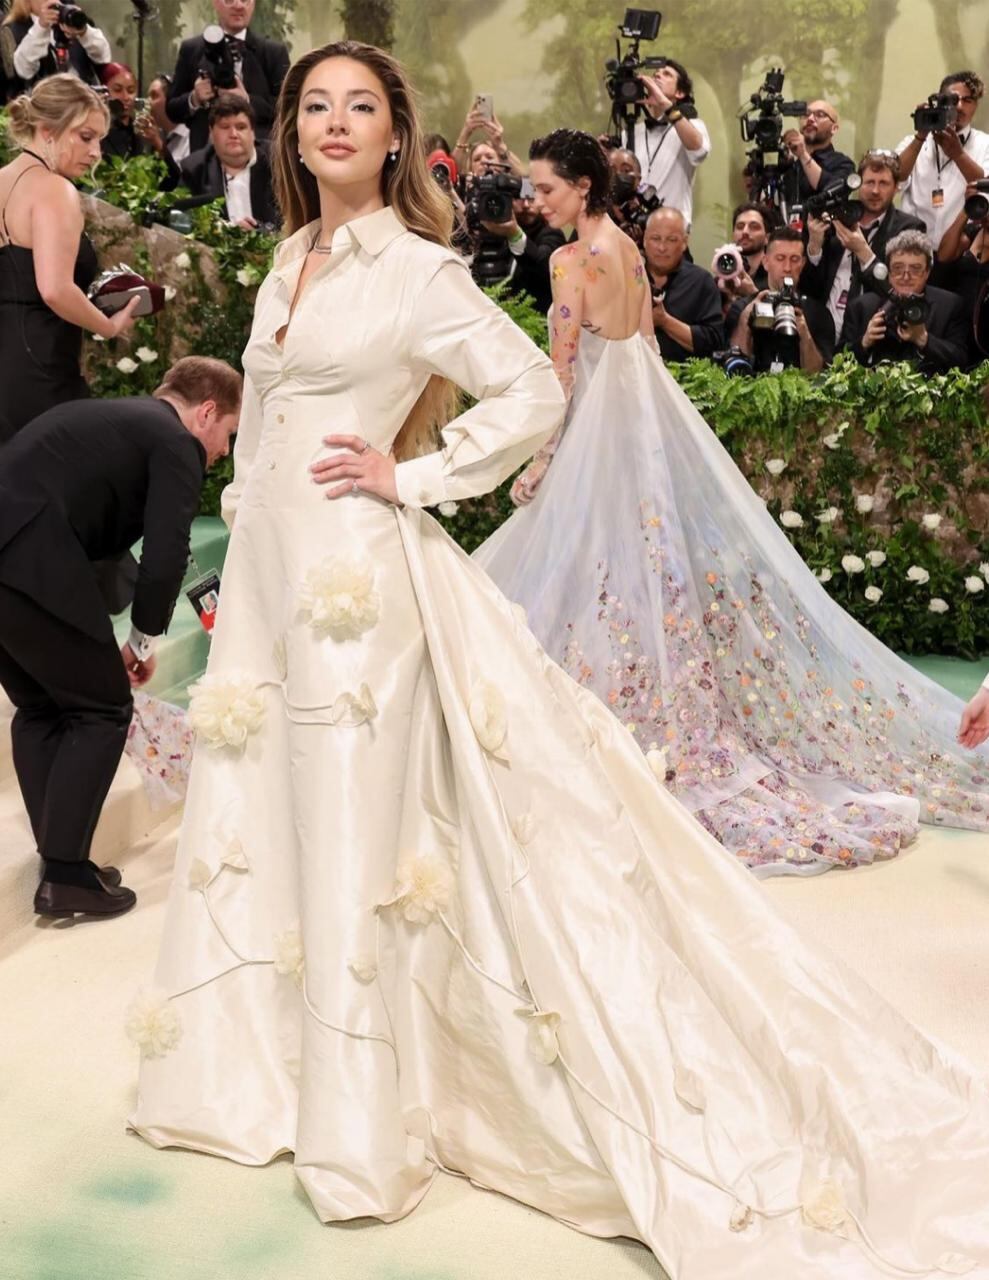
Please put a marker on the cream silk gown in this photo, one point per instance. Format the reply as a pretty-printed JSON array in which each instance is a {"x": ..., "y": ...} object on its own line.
[{"x": 431, "y": 907}]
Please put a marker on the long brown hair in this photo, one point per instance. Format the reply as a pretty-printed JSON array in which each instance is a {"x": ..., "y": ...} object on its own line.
[{"x": 406, "y": 185}]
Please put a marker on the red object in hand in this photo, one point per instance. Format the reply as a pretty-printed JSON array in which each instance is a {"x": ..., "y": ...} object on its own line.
[{"x": 112, "y": 291}]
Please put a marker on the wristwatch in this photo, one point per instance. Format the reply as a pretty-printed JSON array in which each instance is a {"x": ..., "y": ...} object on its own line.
[
  {"x": 674, "y": 115},
  {"x": 142, "y": 646}
]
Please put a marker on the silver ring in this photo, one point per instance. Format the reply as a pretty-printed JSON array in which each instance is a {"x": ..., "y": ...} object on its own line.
[
  {"x": 353, "y": 487},
  {"x": 367, "y": 445}
]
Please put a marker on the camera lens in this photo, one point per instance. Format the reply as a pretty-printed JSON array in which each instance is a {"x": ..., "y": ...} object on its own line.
[
  {"x": 977, "y": 207},
  {"x": 726, "y": 264}
]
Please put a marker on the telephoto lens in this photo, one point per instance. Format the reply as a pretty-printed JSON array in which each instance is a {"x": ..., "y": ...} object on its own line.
[{"x": 977, "y": 205}]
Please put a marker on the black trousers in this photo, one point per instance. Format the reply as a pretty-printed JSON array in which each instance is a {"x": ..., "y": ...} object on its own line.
[{"x": 73, "y": 707}]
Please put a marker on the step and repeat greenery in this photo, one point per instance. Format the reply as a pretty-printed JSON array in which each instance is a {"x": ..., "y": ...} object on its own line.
[{"x": 879, "y": 477}]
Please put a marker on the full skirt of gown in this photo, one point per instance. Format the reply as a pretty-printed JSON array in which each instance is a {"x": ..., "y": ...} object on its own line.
[
  {"x": 652, "y": 572},
  {"x": 432, "y": 910}
]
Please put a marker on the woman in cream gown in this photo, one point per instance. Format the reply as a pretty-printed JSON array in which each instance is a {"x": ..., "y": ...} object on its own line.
[{"x": 431, "y": 909}]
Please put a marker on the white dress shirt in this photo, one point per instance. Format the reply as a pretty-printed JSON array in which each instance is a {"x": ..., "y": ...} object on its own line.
[
  {"x": 667, "y": 165},
  {"x": 177, "y": 142},
  {"x": 32, "y": 50},
  {"x": 934, "y": 170},
  {"x": 237, "y": 188}
]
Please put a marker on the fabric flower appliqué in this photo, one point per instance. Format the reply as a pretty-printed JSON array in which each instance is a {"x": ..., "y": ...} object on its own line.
[
  {"x": 363, "y": 968},
  {"x": 290, "y": 959},
  {"x": 489, "y": 719},
  {"x": 544, "y": 1043},
  {"x": 199, "y": 874},
  {"x": 225, "y": 710},
  {"x": 825, "y": 1206},
  {"x": 340, "y": 598},
  {"x": 153, "y": 1024},
  {"x": 424, "y": 883},
  {"x": 352, "y": 709}
]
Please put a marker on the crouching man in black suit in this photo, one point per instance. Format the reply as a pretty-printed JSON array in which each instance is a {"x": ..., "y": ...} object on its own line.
[
  {"x": 81, "y": 484},
  {"x": 918, "y": 323}
]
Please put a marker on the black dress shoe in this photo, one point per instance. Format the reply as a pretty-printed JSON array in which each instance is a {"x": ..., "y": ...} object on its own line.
[
  {"x": 109, "y": 875},
  {"x": 70, "y": 900}
]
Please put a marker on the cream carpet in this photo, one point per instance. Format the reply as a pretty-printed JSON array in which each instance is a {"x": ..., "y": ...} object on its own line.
[{"x": 81, "y": 1199}]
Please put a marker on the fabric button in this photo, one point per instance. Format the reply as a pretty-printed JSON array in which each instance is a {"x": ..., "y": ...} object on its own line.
[
  {"x": 280, "y": 418},
  {"x": 271, "y": 466}
]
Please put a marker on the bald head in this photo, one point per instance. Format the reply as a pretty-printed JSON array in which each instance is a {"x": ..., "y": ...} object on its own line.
[
  {"x": 820, "y": 124},
  {"x": 664, "y": 241}
]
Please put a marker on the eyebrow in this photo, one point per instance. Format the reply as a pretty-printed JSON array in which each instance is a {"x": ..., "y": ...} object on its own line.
[{"x": 351, "y": 93}]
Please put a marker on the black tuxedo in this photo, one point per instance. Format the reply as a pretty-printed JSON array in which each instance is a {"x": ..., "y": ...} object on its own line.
[
  {"x": 531, "y": 274},
  {"x": 202, "y": 173},
  {"x": 947, "y": 329},
  {"x": 263, "y": 69},
  {"x": 79, "y": 485},
  {"x": 817, "y": 280}
]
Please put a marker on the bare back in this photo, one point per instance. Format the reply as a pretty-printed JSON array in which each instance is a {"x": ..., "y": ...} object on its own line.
[{"x": 599, "y": 285}]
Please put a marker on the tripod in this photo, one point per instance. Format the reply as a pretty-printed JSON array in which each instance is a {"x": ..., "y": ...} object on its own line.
[{"x": 143, "y": 13}]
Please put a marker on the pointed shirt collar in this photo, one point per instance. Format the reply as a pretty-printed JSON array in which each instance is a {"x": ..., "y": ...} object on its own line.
[{"x": 371, "y": 232}]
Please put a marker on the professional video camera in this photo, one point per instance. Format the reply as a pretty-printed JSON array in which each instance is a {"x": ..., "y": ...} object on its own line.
[
  {"x": 905, "y": 309},
  {"x": 489, "y": 198},
  {"x": 939, "y": 113},
  {"x": 222, "y": 54},
  {"x": 761, "y": 122},
  {"x": 622, "y": 79},
  {"x": 835, "y": 204},
  {"x": 977, "y": 206},
  {"x": 70, "y": 15},
  {"x": 777, "y": 312}
]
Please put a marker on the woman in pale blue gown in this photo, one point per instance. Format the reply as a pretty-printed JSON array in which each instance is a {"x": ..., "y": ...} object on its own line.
[{"x": 654, "y": 575}]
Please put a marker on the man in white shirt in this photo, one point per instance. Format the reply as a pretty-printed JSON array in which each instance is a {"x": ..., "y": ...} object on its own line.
[
  {"x": 936, "y": 167},
  {"x": 174, "y": 136},
  {"x": 670, "y": 142}
]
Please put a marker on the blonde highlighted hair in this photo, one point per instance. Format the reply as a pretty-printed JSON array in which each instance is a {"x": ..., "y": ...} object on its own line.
[
  {"x": 57, "y": 103},
  {"x": 20, "y": 11},
  {"x": 406, "y": 185}
]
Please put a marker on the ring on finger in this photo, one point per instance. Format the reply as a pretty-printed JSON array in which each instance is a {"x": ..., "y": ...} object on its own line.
[
  {"x": 367, "y": 445},
  {"x": 354, "y": 488}
]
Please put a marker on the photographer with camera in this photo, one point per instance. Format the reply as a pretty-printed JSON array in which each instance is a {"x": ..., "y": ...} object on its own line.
[
  {"x": 489, "y": 191},
  {"x": 482, "y": 117},
  {"x": 816, "y": 165},
  {"x": 132, "y": 131},
  {"x": 632, "y": 200},
  {"x": 174, "y": 136},
  {"x": 686, "y": 304},
  {"x": 915, "y": 322},
  {"x": 963, "y": 265},
  {"x": 234, "y": 166},
  {"x": 669, "y": 141},
  {"x": 227, "y": 58},
  {"x": 944, "y": 153},
  {"x": 846, "y": 247},
  {"x": 531, "y": 242},
  {"x": 742, "y": 274},
  {"x": 780, "y": 328},
  {"x": 42, "y": 38}
]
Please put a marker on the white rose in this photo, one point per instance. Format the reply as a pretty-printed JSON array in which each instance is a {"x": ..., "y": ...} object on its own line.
[
  {"x": 824, "y": 575},
  {"x": 916, "y": 574},
  {"x": 937, "y": 605},
  {"x": 852, "y": 564},
  {"x": 876, "y": 558},
  {"x": 829, "y": 516},
  {"x": 339, "y": 596},
  {"x": 873, "y": 595},
  {"x": 825, "y": 1206},
  {"x": 425, "y": 883},
  {"x": 224, "y": 710},
  {"x": 447, "y": 509},
  {"x": 170, "y": 292},
  {"x": 974, "y": 585},
  {"x": 984, "y": 569},
  {"x": 776, "y": 466},
  {"x": 864, "y": 502},
  {"x": 791, "y": 519},
  {"x": 245, "y": 276},
  {"x": 183, "y": 261},
  {"x": 489, "y": 719},
  {"x": 153, "y": 1024},
  {"x": 146, "y": 355},
  {"x": 126, "y": 365},
  {"x": 97, "y": 337},
  {"x": 832, "y": 441},
  {"x": 930, "y": 521}
]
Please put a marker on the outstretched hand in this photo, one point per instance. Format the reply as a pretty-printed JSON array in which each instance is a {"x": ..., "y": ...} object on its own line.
[
  {"x": 358, "y": 469},
  {"x": 974, "y": 728}
]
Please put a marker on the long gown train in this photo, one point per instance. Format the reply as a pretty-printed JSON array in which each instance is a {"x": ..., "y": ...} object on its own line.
[{"x": 651, "y": 571}]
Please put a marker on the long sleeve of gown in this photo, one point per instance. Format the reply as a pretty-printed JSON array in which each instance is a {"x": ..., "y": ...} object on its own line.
[
  {"x": 463, "y": 336},
  {"x": 245, "y": 448}
]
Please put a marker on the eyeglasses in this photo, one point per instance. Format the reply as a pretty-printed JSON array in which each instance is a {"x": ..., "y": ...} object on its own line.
[
  {"x": 903, "y": 272},
  {"x": 820, "y": 115}
]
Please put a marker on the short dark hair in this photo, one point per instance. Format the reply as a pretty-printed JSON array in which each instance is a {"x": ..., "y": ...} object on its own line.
[
  {"x": 752, "y": 206},
  {"x": 435, "y": 142},
  {"x": 575, "y": 155},
  {"x": 231, "y": 104},
  {"x": 971, "y": 81},
  {"x": 194, "y": 379},
  {"x": 684, "y": 82},
  {"x": 788, "y": 234}
]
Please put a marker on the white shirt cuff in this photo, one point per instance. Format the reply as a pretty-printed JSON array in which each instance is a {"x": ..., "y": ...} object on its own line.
[
  {"x": 31, "y": 50},
  {"x": 985, "y": 683},
  {"x": 96, "y": 45},
  {"x": 815, "y": 258},
  {"x": 142, "y": 645},
  {"x": 420, "y": 481},
  {"x": 518, "y": 246}
]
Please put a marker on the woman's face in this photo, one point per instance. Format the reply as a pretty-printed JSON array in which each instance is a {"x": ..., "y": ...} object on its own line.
[
  {"x": 482, "y": 159},
  {"x": 345, "y": 124},
  {"x": 123, "y": 89},
  {"x": 78, "y": 148},
  {"x": 560, "y": 202}
]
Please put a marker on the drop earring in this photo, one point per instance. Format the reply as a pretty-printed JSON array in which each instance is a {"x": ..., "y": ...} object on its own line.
[
  {"x": 302, "y": 160},
  {"x": 393, "y": 156}
]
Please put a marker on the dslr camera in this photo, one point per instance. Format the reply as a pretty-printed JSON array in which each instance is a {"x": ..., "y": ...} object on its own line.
[
  {"x": 835, "y": 203},
  {"x": 220, "y": 65},
  {"x": 906, "y": 310},
  {"x": 939, "y": 113},
  {"x": 777, "y": 312},
  {"x": 70, "y": 15},
  {"x": 977, "y": 206},
  {"x": 637, "y": 208},
  {"x": 734, "y": 361},
  {"x": 489, "y": 198}
]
